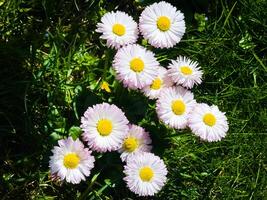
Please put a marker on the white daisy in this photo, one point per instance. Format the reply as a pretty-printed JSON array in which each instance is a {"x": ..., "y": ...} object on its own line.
[
  {"x": 160, "y": 82},
  {"x": 162, "y": 25},
  {"x": 135, "y": 66},
  {"x": 71, "y": 161},
  {"x": 105, "y": 127},
  {"x": 173, "y": 106},
  {"x": 118, "y": 28},
  {"x": 145, "y": 174},
  {"x": 208, "y": 122},
  {"x": 185, "y": 72},
  {"x": 137, "y": 140}
]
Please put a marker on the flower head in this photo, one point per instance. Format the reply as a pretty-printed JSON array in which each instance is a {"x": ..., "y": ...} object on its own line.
[
  {"x": 136, "y": 141},
  {"x": 145, "y": 174},
  {"x": 104, "y": 126},
  {"x": 135, "y": 66},
  {"x": 174, "y": 105},
  {"x": 71, "y": 161},
  {"x": 208, "y": 122},
  {"x": 160, "y": 82},
  {"x": 162, "y": 25},
  {"x": 118, "y": 28},
  {"x": 185, "y": 72},
  {"x": 105, "y": 86}
]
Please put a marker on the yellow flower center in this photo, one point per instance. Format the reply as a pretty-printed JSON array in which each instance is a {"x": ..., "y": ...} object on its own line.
[
  {"x": 130, "y": 144},
  {"x": 209, "y": 119},
  {"x": 178, "y": 107},
  {"x": 118, "y": 29},
  {"x": 186, "y": 70},
  {"x": 146, "y": 173},
  {"x": 137, "y": 65},
  {"x": 156, "y": 84},
  {"x": 163, "y": 23},
  {"x": 104, "y": 127},
  {"x": 71, "y": 160}
]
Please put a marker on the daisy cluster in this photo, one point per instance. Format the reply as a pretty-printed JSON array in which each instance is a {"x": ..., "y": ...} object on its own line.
[
  {"x": 105, "y": 126},
  {"x": 163, "y": 26},
  {"x": 105, "y": 129}
]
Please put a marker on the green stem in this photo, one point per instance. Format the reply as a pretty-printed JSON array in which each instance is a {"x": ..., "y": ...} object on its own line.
[
  {"x": 85, "y": 193},
  {"x": 106, "y": 66}
]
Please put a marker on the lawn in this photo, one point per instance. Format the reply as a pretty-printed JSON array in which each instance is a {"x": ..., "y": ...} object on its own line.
[{"x": 53, "y": 64}]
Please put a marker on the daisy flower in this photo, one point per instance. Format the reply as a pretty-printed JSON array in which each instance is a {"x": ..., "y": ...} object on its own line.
[
  {"x": 137, "y": 140},
  {"x": 185, "y": 72},
  {"x": 173, "y": 106},
  {"x": 162, "y": 25},
  {"x": 71, "y": 161},
  {"x": 118, "y": 28},
  {"x": 135, "y": 66},
  {"x": 145, "y": 174},
  {"x": 153, "y": 90},
  {"x": 104, "y": 127},
  {"x": 208, "y": 122}
]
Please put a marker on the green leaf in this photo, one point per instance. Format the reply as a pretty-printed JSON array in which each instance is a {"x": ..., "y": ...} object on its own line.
[{"x": 75, "y": 132}]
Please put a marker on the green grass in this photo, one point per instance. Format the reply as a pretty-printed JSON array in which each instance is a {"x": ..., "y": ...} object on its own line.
[{"x": 52, "y": 64}]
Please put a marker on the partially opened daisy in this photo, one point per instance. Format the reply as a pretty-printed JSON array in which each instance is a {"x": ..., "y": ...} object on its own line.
[
  {"x": 118, "y": 28},
  {"x": 174, "y": 105},
  {"x": 104, "y": 127},
  {"x": 145, "y": 174},
  {"x": 208, "y": 122},
  {"x": 161, "y": 81},
  {"x": 162, "y": 25},
  {"x": 136, "y": 141},
  {"x": 71, "y": 161},
  {"x": 185, "y": 72},
  {"x": 135, "y": 66}
]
